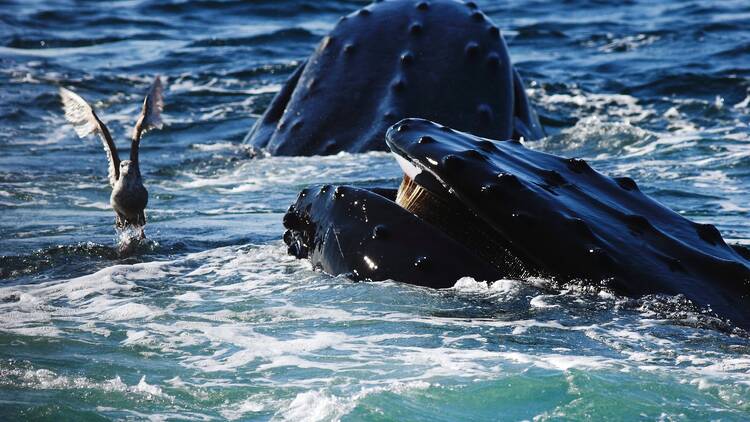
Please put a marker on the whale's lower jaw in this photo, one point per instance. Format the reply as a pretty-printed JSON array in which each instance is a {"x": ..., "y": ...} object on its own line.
[{"x": 364, "y": 234}]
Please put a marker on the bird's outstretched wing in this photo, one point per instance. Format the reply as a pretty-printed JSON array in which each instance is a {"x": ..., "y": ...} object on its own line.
[
  {"x": 153, "y": 105},
  {"x": 150, "y": 117},
  {"x": 85, "y": 122}
]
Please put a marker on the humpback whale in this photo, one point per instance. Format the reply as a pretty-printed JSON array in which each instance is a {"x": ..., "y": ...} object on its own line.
[
  {"x": 471, "y": 206},
  {"x": 441, "y": 60},
  {"x": 129, "y": 197}
]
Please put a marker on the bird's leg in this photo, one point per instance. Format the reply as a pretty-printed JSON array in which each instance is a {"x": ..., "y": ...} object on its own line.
[
  {"x": 120, "y": 221},
  {"x": 142, "y": 224}
]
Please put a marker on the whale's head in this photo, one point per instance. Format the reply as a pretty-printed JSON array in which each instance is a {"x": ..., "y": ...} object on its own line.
[
  {"x": 442, "y": 60},
  {"x": 470, "y": 206},
  {"x": 556, "y": 216}
]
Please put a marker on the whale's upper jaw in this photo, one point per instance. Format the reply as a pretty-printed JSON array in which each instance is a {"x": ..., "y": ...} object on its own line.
[
  {"x": 565, "y": 219},
  {"x": 428, "y": 150},
  {"x": 439, "y": 159}
]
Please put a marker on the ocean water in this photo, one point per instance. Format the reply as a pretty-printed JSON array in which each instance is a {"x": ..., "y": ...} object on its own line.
[{"x": 212, "y": 320}]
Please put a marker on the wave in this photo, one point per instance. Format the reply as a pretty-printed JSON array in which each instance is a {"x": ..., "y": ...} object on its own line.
[
  {"x": 77, "y": 257},
  {"x": 669, "y": 82},
  {"x": 282, "y": 35},
  {"x": 51, "y": 42}
]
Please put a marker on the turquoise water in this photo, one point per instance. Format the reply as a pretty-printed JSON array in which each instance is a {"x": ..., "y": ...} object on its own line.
[{"x": 212, "y": 320}]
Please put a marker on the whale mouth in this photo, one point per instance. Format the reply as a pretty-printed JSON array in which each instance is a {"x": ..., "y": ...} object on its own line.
[
  {"x": 414, "y": 195},
  {"x": 423, "y": 194},
  {"x": 411, "y": 195},
  {"x": 419, "y": 185}
]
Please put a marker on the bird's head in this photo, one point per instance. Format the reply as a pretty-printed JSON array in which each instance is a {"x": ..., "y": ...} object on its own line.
[{"x": 125, "y": 167}]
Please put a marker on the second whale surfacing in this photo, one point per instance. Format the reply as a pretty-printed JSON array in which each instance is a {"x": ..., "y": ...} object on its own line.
[
  {"x": 470, "y": 206},
  {"x": 440, "y": 60}
]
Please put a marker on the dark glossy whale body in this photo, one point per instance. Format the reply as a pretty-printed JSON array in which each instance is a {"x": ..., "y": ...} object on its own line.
[
  {"x": 556, "y": 216},
  {"x": 362, "y": 233},
  {"x": 439, "y": 60}
]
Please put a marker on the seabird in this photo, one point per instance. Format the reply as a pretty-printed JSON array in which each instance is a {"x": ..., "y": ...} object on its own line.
[{"x": 129, "y": 197}]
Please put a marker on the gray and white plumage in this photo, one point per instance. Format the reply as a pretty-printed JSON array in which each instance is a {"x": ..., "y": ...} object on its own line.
[
  {"x": 129, "y": 197},
  {"x": 85, "y": 122},
  {"x": 153, "y": 105}
]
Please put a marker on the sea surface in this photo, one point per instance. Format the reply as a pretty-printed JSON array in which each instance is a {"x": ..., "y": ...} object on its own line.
[{"x": 212, "y": 320}]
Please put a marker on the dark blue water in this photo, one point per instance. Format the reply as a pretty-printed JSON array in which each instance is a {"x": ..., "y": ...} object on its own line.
[{"x": 211, "y": 319}]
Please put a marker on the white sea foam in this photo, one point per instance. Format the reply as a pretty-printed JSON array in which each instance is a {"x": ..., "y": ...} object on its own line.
[
  {"x": 239, "y": 410},
  {"x": 286, "y": 327},
  {"x": 261, "y": 174},
  {"x": 540, "y": 303},
  {"x": 601, "y": 106},
  {"x": 45, "y": 379},
  {"x": 318, "y": 405},
  {"x": 628, "y": 43},
  {"x": 218, "y": 146},
  {"x": 498, "y": 287},
  {"x": 189, "y": 297}
]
